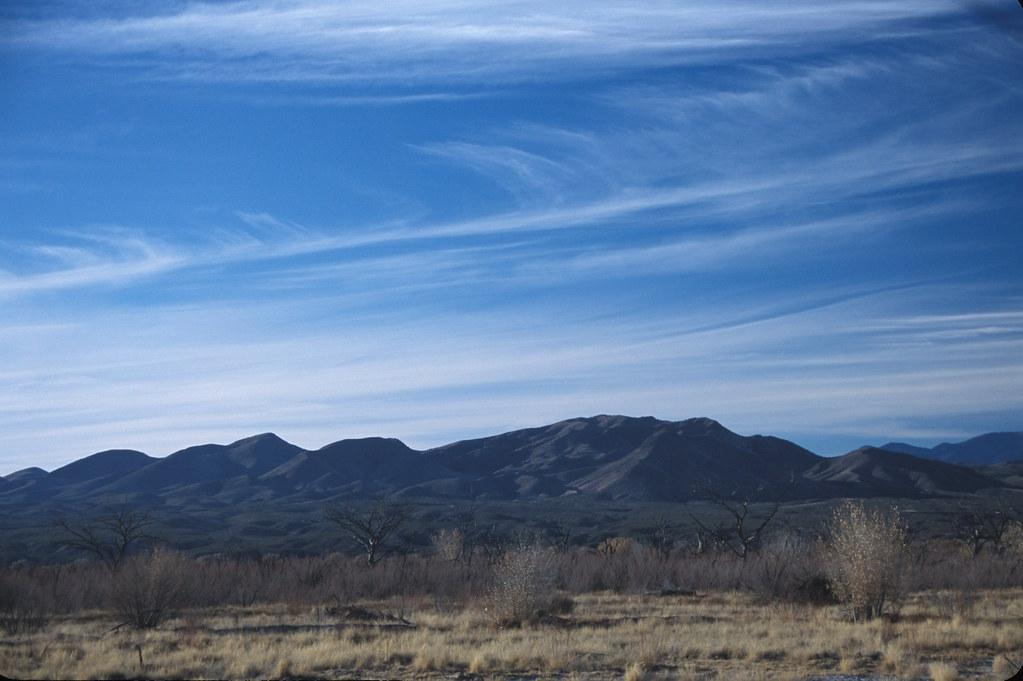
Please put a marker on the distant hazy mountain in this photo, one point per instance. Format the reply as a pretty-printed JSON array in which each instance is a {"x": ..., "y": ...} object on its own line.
[
  {"x": 604, "y": 457},
  {"x": 891, "y": 474},
  {"x": 983, "y": 450}
]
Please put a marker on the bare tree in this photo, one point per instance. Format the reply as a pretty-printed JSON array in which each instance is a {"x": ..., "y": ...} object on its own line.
[
  {"x": 661, "y": 537},
  {"x": 370, "y": 528},
  {"x": 478, "y": 539},
  {"x": 108, "y": 537},
  {"x": 559, "y": 534},
  {"x": 708, "y": 540},
  {"x": 980, "y": 528},
  {"x": 470, "y": 534},
  {"x": 742, "y": 534}
]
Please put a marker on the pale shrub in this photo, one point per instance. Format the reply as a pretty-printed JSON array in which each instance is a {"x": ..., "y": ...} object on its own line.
[
  {"x": 523, "y": 587},
  {"x": 867, "y": 558}
]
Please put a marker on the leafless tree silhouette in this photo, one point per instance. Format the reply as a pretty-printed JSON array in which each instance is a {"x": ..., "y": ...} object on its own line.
[
  {"x": 743, "y": 533},
  {"x": 108, "y": 537},
  {"x": 988, "y": 527},
  {"x": 662, "y": 536},
  {"x": 371, "y": 528}
]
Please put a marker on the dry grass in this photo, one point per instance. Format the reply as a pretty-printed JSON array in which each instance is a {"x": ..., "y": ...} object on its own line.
[
  {"x": 942, "y": 671},
  {"x": 607, "y": 636}
]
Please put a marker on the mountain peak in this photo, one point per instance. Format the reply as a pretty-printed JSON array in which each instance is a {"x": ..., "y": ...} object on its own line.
[
  {"x": 703, "y": 421},
  {"x": 375, "y": 445},
  {"x": 703, "y": 425},
  {"x": 31, "y": 473},
  {"x": 103, "y": 464},
  {"x": 261, "y": 453},
  {"x": 266, "y": 438}
]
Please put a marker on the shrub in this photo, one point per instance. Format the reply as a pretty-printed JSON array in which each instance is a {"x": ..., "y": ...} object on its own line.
[
  {"x": 20, "y": 607},
  {"x": 1013, "y": 540},
  {"x": 868, "y": 549},
  {"x": 523, "y": 586},
  {"x": 148, "y": 588},
  {"x": 449, "y": 544},
  {"x": 616, "y": 546}
]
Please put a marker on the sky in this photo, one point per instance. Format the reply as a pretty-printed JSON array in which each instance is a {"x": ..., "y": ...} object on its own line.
[{"x": 441, "y": 220}]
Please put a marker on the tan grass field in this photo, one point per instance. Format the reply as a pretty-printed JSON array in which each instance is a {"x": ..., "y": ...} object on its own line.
[{"x": 937, "y": 636}]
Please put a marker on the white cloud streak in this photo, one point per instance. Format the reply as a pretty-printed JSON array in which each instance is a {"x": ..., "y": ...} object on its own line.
[{"x": 406, "y": 41}]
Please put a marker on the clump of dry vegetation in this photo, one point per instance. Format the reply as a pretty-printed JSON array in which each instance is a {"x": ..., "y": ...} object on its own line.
[
  {"x": 146, "y": 589},
  {"x": 867, "y": 561},
  {"x": 523, "y": 586}
]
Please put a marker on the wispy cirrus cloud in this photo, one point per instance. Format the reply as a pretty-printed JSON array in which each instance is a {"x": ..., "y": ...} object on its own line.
[
  {"x": 227, "y": 370},
  {"x": 100, "y": 257},
  {"x": 120, "y": 257},
  {"x": 312, "y": 40}
]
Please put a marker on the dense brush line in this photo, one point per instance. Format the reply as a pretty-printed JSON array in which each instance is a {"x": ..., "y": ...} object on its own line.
[{"x": 784, "y": 570}]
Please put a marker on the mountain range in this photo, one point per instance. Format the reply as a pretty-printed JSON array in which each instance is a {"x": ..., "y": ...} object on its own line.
[{"x": 615, "y": 458}]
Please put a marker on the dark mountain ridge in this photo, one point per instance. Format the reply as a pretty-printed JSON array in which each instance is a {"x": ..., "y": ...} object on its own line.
[{"x": 617, "y": 458}]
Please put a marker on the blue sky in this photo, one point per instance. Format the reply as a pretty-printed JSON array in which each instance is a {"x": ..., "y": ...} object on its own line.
[{"x": 437, "y": 220}]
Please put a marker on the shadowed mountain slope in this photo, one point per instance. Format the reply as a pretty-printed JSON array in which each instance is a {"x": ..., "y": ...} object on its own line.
[
  {"x": 626, "y": 458},
  {"x": 360, "y": 466},
  {"x": 983, "y": 450}
]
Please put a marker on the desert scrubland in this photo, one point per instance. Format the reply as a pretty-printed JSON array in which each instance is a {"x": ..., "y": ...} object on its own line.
[{"x": 864, "y": 600}]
